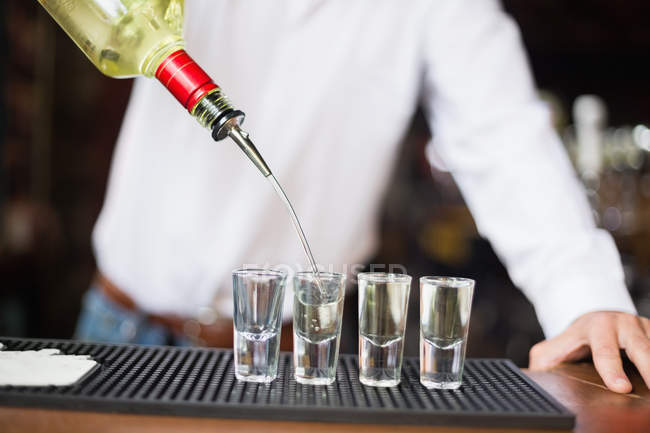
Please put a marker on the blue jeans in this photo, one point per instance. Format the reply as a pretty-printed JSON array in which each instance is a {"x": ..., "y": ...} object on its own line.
[{"x": 103, "y": 320}]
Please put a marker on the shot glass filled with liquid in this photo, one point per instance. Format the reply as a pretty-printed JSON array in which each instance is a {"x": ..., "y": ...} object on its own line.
[
  {"x": 445, "y": 306},
  {"x": 317, "y": 317},
  {"x": 257, "y": 296},
  {"x": 383, "y": 302}
]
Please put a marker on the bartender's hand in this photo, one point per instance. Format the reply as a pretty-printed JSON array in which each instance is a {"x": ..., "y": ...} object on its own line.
[{"x": 603, "y": 333}]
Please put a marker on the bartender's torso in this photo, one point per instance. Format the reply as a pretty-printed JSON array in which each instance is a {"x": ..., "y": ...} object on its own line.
[{"x": 328, "y": 88}]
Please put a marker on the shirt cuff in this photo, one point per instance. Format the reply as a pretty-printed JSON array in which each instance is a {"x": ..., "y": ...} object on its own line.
[{"x": 565, "y": 303}]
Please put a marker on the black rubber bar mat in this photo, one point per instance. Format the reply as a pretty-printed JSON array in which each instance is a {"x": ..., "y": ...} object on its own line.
[{"x": 201, "y": 382}]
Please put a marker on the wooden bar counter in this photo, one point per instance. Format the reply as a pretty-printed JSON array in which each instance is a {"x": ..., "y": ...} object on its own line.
[{"x": 577, "y": 386}]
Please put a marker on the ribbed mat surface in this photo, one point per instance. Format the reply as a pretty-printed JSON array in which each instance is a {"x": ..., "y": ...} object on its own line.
[{"x": 201, "y": 382}]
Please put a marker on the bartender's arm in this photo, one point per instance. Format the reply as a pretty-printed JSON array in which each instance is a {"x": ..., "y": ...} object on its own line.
[{"x": 493, "y": 134}]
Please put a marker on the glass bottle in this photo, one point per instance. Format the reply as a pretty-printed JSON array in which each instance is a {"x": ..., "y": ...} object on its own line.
[{"x": 127, "y": 38}]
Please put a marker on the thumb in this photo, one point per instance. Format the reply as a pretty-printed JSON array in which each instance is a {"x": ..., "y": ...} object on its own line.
[{"x": 549, "y": 353}]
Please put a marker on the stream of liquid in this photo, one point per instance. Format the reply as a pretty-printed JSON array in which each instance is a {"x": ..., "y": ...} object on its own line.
[{"x": 298, "y": 227}]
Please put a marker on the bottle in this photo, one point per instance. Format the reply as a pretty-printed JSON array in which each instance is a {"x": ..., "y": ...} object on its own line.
[{"x": 127, "y": 38}]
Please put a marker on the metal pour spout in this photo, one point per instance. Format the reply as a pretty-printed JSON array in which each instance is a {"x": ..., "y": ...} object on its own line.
[
  {"x": 244, "y": 142},
  {"x": 215, "y": 112}
]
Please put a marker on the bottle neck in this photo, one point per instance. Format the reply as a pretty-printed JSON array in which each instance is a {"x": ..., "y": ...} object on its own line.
[
  {"x": 196, "y": 91},
  {"x": 185, "y": 79}
]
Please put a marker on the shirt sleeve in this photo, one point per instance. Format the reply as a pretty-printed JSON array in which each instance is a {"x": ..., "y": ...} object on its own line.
[{"x": 494, "y": 135}]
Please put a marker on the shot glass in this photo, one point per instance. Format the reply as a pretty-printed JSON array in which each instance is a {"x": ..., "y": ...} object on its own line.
[
  {"x": 383, "y": 301},
  {"x": 317, "y": 316},
  {"x": 257, "y": 295},
  {"x": 445, "y": 306}
]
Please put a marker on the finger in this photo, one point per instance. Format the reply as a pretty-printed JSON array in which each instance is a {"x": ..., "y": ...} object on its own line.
[
  {"x": 637, "y": 347},
  {"x": 549, "y": 353},
  {"x": 645, "y": 324},
  {"x": 607, "y": 360}
]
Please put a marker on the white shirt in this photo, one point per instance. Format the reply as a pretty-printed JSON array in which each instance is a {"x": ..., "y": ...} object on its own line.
[{"x": 329, "y": 88}]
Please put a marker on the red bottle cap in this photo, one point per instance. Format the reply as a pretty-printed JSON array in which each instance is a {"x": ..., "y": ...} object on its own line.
[{"x": 184, "y": 78}]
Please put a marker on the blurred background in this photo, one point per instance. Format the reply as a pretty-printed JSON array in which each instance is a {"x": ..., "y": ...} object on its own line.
[{"x": 59, "y": 119}]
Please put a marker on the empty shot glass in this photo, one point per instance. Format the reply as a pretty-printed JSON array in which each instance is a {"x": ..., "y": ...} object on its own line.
[
  {"x": 317, "y": 316},
  {"x": 445, "y": 306},
  {"x": 383, "y": 302},
  {"x": 258, "y": 296}
]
